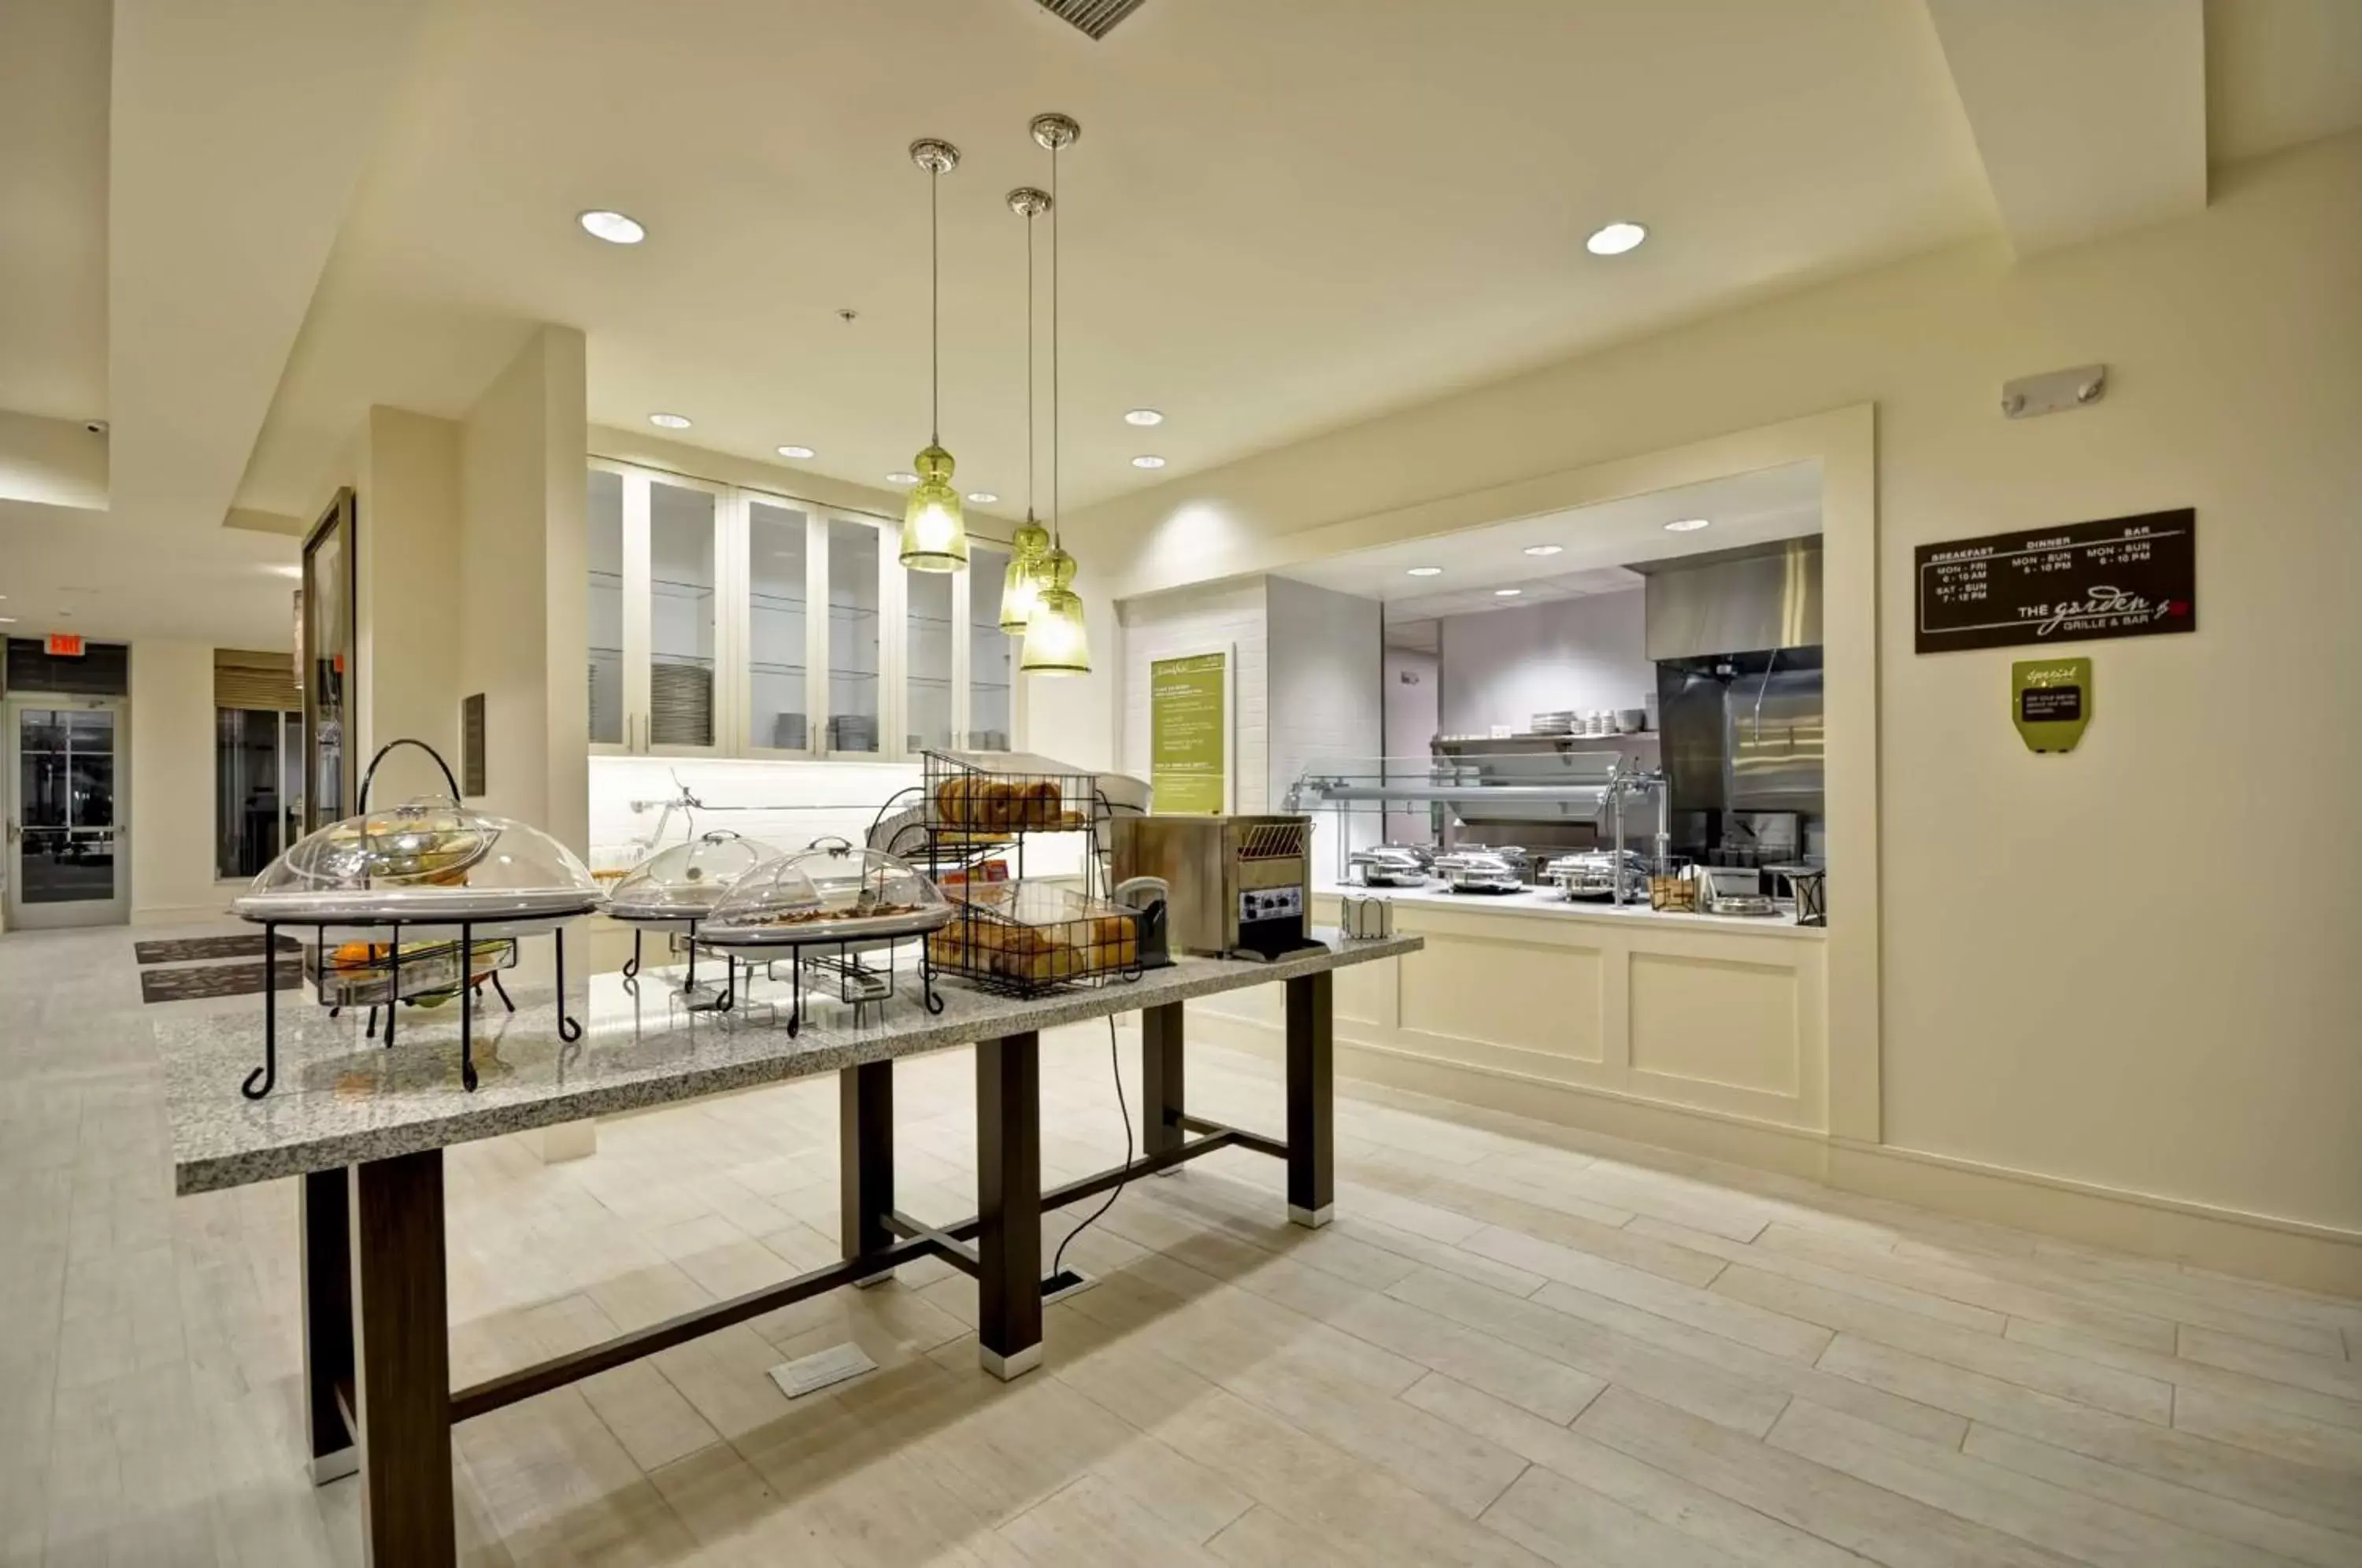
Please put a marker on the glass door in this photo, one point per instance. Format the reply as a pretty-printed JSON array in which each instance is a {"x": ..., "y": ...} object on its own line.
[{"x": 65, "y": 828}]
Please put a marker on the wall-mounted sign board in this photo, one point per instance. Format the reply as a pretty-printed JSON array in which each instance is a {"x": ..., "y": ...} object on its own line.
[
  {"x": 1189, "y": 733},
  {"x": 2124, "y": 576},
  {"x": 64, "y": 645},
  {"x": 2051, "y": 701}
]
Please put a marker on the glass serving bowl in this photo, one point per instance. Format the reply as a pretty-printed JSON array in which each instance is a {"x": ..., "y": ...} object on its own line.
[
  {"x": 429, "y": 861},
  {"x": 684, "y": 882},
  {"x": 834, "y": 890}
]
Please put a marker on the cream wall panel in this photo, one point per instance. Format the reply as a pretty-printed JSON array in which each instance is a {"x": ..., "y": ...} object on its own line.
[
  {"x": 1721, "y": 1022},
  {"x": 168, "y": 798},
  {"x": 1488, "y": 992}
]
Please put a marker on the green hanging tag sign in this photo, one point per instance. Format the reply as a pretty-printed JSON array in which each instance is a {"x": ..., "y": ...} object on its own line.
[{"x": 2053, "y": 699}]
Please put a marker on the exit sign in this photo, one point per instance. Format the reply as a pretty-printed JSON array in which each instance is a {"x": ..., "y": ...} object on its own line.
[{"x": 65, "y": 645}]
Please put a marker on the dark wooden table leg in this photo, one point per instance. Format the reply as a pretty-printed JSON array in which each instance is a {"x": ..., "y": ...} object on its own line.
[
  {"x": 865, "y": 1098},
  {"x": 403, "y": 1350},
  {"x": 1311, "y": 1102},
  {"x": 1160, "y": 1078},
  {"x": 1009, "y": 1204},
  {"x": 327, "y": 1265}
]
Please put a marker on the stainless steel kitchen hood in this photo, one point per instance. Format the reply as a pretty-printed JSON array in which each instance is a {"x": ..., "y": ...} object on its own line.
[{"x": 1730, "y": 601}]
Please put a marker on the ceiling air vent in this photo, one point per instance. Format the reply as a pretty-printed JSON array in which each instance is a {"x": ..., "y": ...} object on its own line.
[{"x": 1097, "y": 18}]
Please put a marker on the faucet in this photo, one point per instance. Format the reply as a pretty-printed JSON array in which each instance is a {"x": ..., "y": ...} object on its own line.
[{"x": 1650, "y": 783}]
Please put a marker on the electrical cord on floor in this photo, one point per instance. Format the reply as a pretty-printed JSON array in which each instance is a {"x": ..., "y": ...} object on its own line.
[{"x": 1115, "y": 1065}]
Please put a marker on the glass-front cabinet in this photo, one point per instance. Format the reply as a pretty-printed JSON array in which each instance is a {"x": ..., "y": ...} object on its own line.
[{"x": 729, "y": 622}]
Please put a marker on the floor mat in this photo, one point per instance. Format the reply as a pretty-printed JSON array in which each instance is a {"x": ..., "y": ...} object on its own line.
[
  {"x": 189, "y": 949},
  {"x": 212, "y": 980}
]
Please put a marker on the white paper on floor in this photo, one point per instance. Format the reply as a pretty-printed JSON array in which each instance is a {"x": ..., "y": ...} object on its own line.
[{"x": 822, "y": 1369}]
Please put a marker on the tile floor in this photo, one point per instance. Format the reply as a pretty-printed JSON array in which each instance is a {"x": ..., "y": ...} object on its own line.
[{"x": 1517, "y": 1344}]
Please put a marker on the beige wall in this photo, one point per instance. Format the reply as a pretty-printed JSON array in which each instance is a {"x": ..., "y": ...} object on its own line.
[
  {"x": 2078, "y": 986},
  {"x": 406, "y": 615},
  {"x": 171, "y": 783},
  {"x": 522, "y": 601}
]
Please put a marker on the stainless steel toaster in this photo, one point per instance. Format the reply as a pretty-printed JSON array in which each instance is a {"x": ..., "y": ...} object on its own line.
[{"x": 1241, "y": 886}]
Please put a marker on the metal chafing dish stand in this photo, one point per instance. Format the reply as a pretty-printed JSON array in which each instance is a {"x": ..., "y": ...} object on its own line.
[
  {"x": 838, "y": 908},
  {"x": 427, "y": 865}
]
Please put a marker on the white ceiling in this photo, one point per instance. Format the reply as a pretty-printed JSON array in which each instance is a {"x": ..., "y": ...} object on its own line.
[
  {"x": 1280, "y": 217},
  {"x": 230, "y": 225},
  {"x": 1596, "y": 545}
]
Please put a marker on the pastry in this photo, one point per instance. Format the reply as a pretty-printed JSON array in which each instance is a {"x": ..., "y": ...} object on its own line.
[
  {"x": 953, "y": 800},
  {"x": 999, "y": 804},
  {"x": 1038, "y": 804}
]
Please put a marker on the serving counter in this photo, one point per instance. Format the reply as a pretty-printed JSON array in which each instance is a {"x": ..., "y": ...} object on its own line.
[
  {"x": 364, "y": 1126},
  {"x": 1605, "y": 1016}
]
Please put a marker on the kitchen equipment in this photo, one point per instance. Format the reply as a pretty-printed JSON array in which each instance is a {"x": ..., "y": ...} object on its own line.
[
  {"x": 683, "y": 883},
  {"x": 1632, "y": 721},
  {"x": 1241, "y": 886},
  {"x": 1390, "y": 865},
  {"x": 1483, "y": 870},
  {"x": 833, "y": 891},
  {"x": 1151, "y": 898},
  {"x": 1594, "y": 874},
  {"x": 1733, "y": 891},
  {"x": 1363, "y": 917}
]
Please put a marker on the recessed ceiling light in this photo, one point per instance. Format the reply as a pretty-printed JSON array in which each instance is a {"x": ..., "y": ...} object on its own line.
[
  {"x": 982, "y": 497},
  {"x": 1424, "y": 571},
  {"x": 615, "y": 228},
  {"x": 287, "y": 569},
  {"x": 792, "y": 451},
  {"x": 1148, "y": 460},
  {"x": 7, "y": 620},
  {"x": 1506, "y": 593},
  {"x": 1688, "y": 525},
  {"x": 1143, "y": 416},
  {"x": 1615, "y": 239},
  {"x": 1544, "y": 550},
  {"x": 901, "y": 479},
  {"x": 669, "y": 421}
]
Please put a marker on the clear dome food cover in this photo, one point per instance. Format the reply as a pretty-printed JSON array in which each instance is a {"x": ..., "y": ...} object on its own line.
[
  {"x": 833, "y": 890},
  {"x": 427, "y": 860},
  {"x": 687, "y": 880}
]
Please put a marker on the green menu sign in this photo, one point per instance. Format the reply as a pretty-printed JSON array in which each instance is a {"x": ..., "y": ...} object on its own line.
[
  {"x": 1189, "y": 732},
  {"x": 2053, "y": 698}
]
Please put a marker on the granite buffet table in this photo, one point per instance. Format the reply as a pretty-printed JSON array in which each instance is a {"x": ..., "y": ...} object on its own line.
[{"x": 365, "y": 1125}]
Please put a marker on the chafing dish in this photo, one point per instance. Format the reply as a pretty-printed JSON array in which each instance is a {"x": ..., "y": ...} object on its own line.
[
  {"x": 1733, "y": 891},
  {"x": 833, "y": 891},
  {"x": 1593, "y": 875},
  {"x": 685, "y": 882},
  {"x": 1391, "y": 865},
  {"x": 1483, "y": 870}
]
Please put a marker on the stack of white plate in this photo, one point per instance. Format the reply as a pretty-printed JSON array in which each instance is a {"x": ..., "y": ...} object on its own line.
[
  {"x": 1557, "y": 724},
  {"x": 680, "y": 704}
]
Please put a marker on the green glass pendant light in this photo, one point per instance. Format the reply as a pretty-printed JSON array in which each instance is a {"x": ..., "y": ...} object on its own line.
[
  {"x": 1058, "y": 642},
  {"x": 1020, "y": 585},
  {"x": 935, "y": 528}
]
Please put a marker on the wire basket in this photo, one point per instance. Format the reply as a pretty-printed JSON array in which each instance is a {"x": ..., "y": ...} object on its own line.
[
  {"x": 1028, "y": 938},
  {"x": 987, "y": 798},
  {"x": 1676, "y": 895}
]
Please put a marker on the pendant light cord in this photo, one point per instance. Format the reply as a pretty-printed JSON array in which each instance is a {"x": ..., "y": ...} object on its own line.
[
  {"x": 1056, "y": 213},
  {"x": 1029, "y": 366},
  {"x": 934, "y": 313}
]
